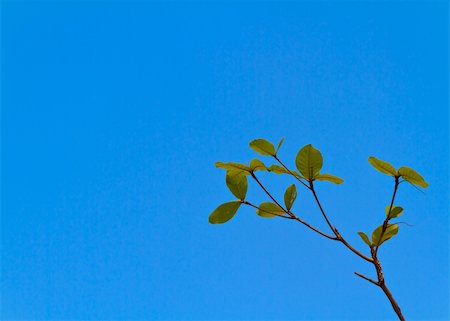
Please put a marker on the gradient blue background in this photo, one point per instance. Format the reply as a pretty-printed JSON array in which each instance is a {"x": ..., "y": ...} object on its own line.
[{"x": 113, "y": 114}]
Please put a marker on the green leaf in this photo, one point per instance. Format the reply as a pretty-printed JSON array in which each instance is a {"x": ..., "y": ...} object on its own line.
[
  {"x": 289, "y": 196},
  {"x": 382, "y": 166},
  {"x": 266, "y": 208},
  {"x": 309, "y": 161},
  {"x": 330, "y": 178},
  {"x": 412, "y": 176},
  {"x": 277, "y": 169},
  {"x": 224, "y": 212},
  {"x": 257, "y": 165},
  {"x": 237, "y": 184},
  {"x": 230, "y": 166},
  {"x": 396, "y": 211},
  {"x": 263, "y": 147},
  {"x": 280, "y": 143},
  {"x": 281, "y": 170},
  {"x": 365, "y": 238},
  {"x": 391, "y": 230}
]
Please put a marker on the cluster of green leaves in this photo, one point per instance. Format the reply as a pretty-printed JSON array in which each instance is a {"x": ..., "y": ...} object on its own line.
[
  {"x": 407, "y": 173},
  {"x": 391, "y": 229},
  {"x": 309, "y": 162}
]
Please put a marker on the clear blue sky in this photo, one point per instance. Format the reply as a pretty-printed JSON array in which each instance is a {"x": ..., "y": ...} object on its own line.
[{"x": 113, "y": 114}]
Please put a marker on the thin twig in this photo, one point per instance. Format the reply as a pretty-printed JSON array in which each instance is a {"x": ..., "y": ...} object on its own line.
[
  {"x": 335, "y": 231},
  {"x": 385, "y": 223},
  {"x": 292, "y": 215},
  {"x": 290, "y": 172},
  {"x": 258, "y": 208},
  {"x": 366, "y": 278}
]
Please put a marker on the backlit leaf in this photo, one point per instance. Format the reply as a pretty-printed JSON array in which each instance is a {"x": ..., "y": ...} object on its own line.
[
  {"x": 396, "y": 211},
  {"x": 267, "y": 209},
  {"x": 309, "y": 161},
  {"x": 231, "y": 166},
  {"x": 289, "y": 196},
  {"x": 382, "y": 166},
  {"x": 278, "y": 169},
  {"x": 263, "y": 147},
  {"x": 365, "y": 238},
  {"x": 280, "y": 143},
  {"x": 412, "y": 176},
  {"x": 237, "y": 184},
  {"x": 257, "y": 165},
  {"x": 391, "y": 230},
  {"x": 224, "y": 212},
  {"x": 281, "y": 170},
  {"x": 330, "y": 178}
]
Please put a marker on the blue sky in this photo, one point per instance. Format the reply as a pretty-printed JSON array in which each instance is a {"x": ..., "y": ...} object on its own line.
[{"x": 113, "y": 114}]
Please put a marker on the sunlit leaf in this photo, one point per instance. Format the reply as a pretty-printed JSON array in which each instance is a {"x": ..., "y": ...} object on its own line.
[
  {"x": 382, "y": 166},
  {"x": 280, "y": 143},
  {"x": 281, "y": 170},
  {"x": 412, "y": 176},
  {"x": 309, "y": 161},
  {"x": 365, "y": 238},
  {"x": 268, "y": 209},
  {"x": 231, "y": 166},
  {"x": 224, "y": 212},
  {"x": 257, "y": 165},
  {"x": 330, "y": 178},
  {"x": 289, "y": 196},
  {"x": 391, "y": 230},
  {"x": 278, "y": 169},
  {"x": 237, "y": 184},
  {"x": 396, "y": 211},
  {"x": 263, "y": 147}
]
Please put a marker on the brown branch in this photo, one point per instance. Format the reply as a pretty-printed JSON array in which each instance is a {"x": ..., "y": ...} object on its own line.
[
  {"x": 292, "y": 215},
  {"x": 258, "y": 208},
  {"x": 382, "y": 285},
  {"x": 335, "y": 231},
  {"x": 290, "y": 172},
  {"x": 385, "y": 223},
  {"x": 366, "y": 278}
]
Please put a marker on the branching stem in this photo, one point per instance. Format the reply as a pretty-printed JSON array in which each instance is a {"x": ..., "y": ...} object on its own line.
[{"x": 338, "y": 237}]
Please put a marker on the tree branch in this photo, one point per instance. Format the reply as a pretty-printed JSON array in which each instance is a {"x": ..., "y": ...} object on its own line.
[
  {"x": 385, "y": 223},
  {"x": 366, "y": 278},
  {"x": 290, "y": 172},
  {"x": 279, "y": 215},
  {"x": 335, "y": 231},
  {"x": 291, "y": 215}
]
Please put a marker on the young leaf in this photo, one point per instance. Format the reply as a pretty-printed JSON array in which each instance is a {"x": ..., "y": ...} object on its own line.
[
  {"x": 330, "y": 178},
  {"x": 382, "y": 166},
  {"x": 391, "y": 230},
  {"x": 281, "y": 170},
  {"x": 266, "y": 208},
  {"x": 263, "y": 147},
  {"x": 309, "y": 161},
  {"x": 257, "y": 165},
  {"x": 396, "y": 211},
  {"x": 412, "y": 176},
  {"x": 230, "y": 166},
  {"x": 289, "y": 196},
  {"x": 365, "y": 238},
  {"x": 237, "y": 184},
  {"x": 277, "y": 169},
  {"x": 224, "y": 212},
  {"x": 280, "y": 143}
]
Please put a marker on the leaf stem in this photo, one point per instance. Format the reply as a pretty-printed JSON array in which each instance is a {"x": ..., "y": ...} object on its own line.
[
  {"x": 291, "y": 215},
  {"x": 335, "y": 231},
  {"x": 385, "y": 223},
  {"x": 290, "y": 172},
  {"x": 366, "y": 278},
  {"x": 276, "y": 214}
]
